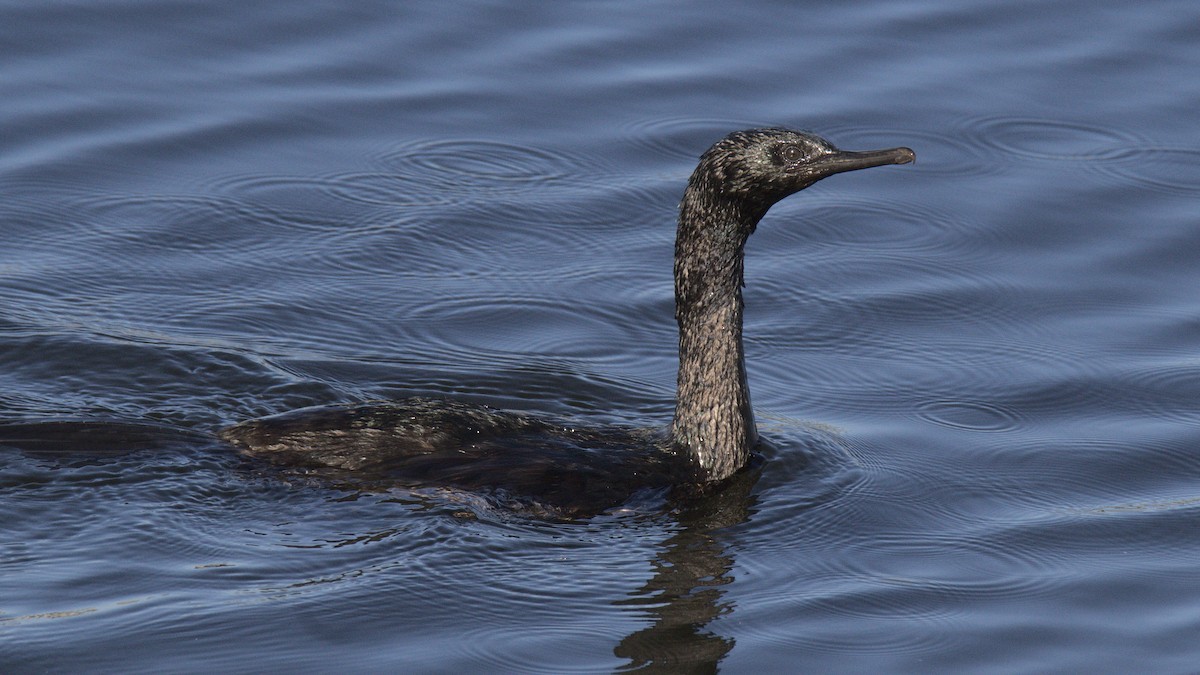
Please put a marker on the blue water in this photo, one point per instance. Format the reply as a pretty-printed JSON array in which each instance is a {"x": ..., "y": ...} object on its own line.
[{"x": 979, "y": 374}]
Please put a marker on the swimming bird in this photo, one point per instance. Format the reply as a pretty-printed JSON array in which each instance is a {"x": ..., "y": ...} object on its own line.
[{"x": 568, "y": 470}]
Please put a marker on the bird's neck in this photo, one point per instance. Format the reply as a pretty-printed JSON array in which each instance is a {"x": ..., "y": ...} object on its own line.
[{"x": 713, "y": 421}]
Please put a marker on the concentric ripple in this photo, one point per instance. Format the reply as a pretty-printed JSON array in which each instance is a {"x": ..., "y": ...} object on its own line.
[
  {"x": 329, "y": 194},
  {"x": 1166, "y": 170},
  {"x": 858, "y": 635},
  {"x": 1051, "y": 140},
  {"x": 458, "y": 165},
  {"x": 174, "y": 222},
  {"x": 532, "y": 325},
  {"x": 970, "y": 415}
]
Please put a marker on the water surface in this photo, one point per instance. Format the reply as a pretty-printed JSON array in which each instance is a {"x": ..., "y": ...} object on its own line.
[{"x": 979, "y": 375}]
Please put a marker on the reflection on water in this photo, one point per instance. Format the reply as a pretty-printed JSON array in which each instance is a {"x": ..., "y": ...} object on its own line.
[{"x": 685, "y": 594}]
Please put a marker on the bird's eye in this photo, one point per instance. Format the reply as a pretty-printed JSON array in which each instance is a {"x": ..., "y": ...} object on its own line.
[{"x": 791, "y": 153}]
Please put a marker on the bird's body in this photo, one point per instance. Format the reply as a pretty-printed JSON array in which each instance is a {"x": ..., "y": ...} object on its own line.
[
  {"x": 548, "y": 465},
  {"x": 712, "y": 435}
]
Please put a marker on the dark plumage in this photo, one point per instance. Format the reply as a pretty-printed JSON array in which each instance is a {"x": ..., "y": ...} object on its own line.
[{"x": 422, "y": 442}]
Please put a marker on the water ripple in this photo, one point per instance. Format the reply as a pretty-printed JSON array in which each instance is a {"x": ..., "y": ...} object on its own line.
[
  {"x": 464, "y": 165},
  {"x": 328, "y": 193},
  {"x": 1051, "y": 139},
  {"x": 1163, "y": 169},
  {"x": 970, "y": 415},
  {"x": 1117, "y": 153},
  {"x": 928, "y": 635},
  {"x": 879, "y": 375},
  {"x": 1169, "y": 390},
  {"x": 1035, "y": 479},
  {"x": 932, "y": 294},
  {"x": 532, "y": 325},
  {"x": 36, "y": 203},
  {"x": 826, "y": 222}
]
